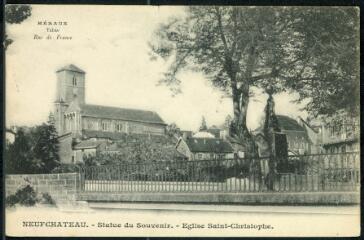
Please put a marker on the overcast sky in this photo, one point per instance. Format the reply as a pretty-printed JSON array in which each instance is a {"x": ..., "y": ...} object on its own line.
[{"x": 110, "y": 44}]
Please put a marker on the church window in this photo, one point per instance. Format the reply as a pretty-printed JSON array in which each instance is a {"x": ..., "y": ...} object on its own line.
[
  {"x": 104, "y": 126},
  {"x": 343, "y": 149},
  {"x": 119, "y": 127},
  {"x": 74, "y": 81}
]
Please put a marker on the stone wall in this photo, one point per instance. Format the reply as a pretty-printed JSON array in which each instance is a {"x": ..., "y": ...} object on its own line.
[
  {"x": 282, "y": 198},
  {"x": 62, "y": 187},
  {"x": 65, "y": 149}
]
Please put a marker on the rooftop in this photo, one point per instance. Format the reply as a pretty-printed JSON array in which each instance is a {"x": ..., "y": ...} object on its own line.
[
  {"x": 289, "y": 124},
  {"x": 71, "y": 67},
  {"x": 121, "y": 114},
  {"x": 209, "y": 145},
  {"x": 203, "y": 134},
  {"x": 285, "y": 124}
]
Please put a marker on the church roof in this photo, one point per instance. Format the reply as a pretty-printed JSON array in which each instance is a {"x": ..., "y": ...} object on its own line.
[
  {"x": 121, "y": 114},
  {"x": 71, "y": 67}
]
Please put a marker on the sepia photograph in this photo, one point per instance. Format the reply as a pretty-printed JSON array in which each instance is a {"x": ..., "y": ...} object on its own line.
[{"x": 219, "y": 121}]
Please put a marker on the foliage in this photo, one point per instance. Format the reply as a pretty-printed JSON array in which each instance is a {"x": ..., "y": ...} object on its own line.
[
  {"x": 47, "y": 199},
  {"x": 203, "y": 126},
  {"x": 19, "y": 155},
  {"x": 27, "y": 196},
  {"x": 172, "y": 130},
  {"x": 266, "y": 47},
  {"x": 35, "y": 150},
  {"x": 7, "y": 41},
  {"x": 24, "y": 196},
  {"x": 15, "y": 14},
  {"x": 45, "y": 140},
  {"x": 235, "y": 47},
  {"x": 181, "y": 171},
  {"x": 330, "y": 74},
  {"x": 11, "y": 200},
  {"x": 137, "y": 149},
  {"x": 67, "y": 168}
]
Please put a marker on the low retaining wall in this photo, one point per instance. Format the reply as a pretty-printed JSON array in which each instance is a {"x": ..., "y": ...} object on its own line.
[
  {"x": 62, "y": 187},
  {"x": 279, "y": 198}
]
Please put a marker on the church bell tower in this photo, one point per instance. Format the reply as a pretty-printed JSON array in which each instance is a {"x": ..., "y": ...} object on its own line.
[{"x": 70, "y": 85}]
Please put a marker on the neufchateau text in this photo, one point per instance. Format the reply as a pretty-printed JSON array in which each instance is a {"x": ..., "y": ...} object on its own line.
[{"x": 188, "y": 226}]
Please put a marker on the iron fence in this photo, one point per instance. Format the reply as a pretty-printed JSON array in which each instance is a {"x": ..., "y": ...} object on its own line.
[{"x": 320, "y": 172}]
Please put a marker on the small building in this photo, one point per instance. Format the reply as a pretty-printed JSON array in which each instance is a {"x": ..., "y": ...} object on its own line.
[
  {"x": 205, "y": 148},
  {"x": 87, "y": 148},
  {"x": 297, "y": 138},
  {"x": 337, "y": 134}
]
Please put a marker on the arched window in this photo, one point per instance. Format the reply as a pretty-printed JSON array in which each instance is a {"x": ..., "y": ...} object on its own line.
[
  {"x": 105, "y": 126},
  {"x": 74, "y": 81}
]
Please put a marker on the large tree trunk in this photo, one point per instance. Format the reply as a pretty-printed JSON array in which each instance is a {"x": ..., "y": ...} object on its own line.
[
  {"x": 240, "y": 135},
  {"x": 238, "y": 130}
]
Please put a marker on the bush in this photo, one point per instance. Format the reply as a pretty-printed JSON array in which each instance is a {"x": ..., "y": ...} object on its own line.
[
  {"x": 27, "y": 196},
  {"x": 47, "y": 199},
  {"x": 67, "y": 168},
  {"x": 11, "y": 200}
]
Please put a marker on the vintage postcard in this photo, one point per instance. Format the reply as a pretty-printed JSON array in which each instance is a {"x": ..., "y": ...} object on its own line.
[{"x": 182, "y": 121}]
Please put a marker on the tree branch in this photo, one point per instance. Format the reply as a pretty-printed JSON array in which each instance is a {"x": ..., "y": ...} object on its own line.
[{"x": 222, "y": 35}]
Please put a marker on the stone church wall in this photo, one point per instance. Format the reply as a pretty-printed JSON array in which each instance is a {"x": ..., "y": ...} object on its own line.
[{"x": 96, "y": 124}]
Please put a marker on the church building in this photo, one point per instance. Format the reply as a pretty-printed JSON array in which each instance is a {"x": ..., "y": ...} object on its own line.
[{"x": 78, "y": 120}]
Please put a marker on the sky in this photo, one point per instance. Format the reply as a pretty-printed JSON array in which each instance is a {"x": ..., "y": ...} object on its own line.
[{"x": 110, "y": 43}]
